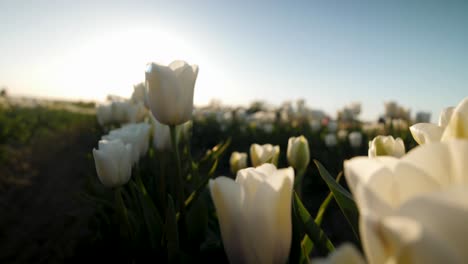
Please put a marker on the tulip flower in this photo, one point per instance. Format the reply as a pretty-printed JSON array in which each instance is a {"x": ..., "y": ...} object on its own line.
[
  {"x": 104, "y": 114},
  {"x": 453, "y": 123},
  {"x": 260, "y": 154},
  {"x": 332, "y": 126},
  {"x": 330, "y": 140},
  {"x": 170, "y": 91},
  {"x": 140, "y": 94},
  {"x": 238, "y": 161},
  {"x": 346, "y": 253},
  {"x": 113, "y": 162},
  {"x": 136, "y": 112},
  {"x": 355, "y": 139},
  {"x": 135, "y": 134},
  {"x": 413, "y": 209},
  {"x": 298, "y": 153},
  {"x": 254, "y": 214},
  {"x": 161, "y": 135},
  {"x": 386, "y": 146},
  {"x": 342, "y": 134}
]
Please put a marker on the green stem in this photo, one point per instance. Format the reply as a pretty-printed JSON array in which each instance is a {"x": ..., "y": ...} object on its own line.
[
  {"x": 298, "y": 182},
  {"x": 179, "y": 182},
  {"x": 123, "y": 210},
  {"x": 162, "y": 182}
]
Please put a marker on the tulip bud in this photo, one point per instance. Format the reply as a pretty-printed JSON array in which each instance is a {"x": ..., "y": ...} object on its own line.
[
  {"x": 330, "y": 140},
  {"x": 238, "y": 161},
  {"x": 161, "y": 135},
  {"x": 298, "y": 153},
  {"x": 254, "y": 213},
  {"x": 170, "y": 91},
  {"x": 355, "y": 139},
  {"x": 136, "y": 112},
  {"x": 113, "y": 162},
  {"x": 104, "y": 114},
  {"x": 386, "y": 146},
  {"x": 264, "y": 154}
]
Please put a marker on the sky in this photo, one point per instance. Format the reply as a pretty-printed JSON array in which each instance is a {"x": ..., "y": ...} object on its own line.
[{"x": 330, "y": 53}]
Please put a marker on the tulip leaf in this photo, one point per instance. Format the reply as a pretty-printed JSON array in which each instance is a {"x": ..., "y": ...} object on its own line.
[
  {"x": 194, "y": 195},
  {"x": 316, "y": 234},
  {"x": 343, "y": 198},
  {"x": 171, "y": 232},
  {"x": 150, "y": 212},
  {"x": 306, "y": 244}
]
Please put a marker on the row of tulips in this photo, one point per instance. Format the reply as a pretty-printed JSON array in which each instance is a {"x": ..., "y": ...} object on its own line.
[{"x": 403, "y": 208}]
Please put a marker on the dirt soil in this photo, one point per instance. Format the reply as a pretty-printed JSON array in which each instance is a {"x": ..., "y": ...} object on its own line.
[{"x": 43, "y": 220}]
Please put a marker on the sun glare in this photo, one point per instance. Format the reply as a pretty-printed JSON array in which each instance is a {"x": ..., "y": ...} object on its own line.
[{"x": 114, "y": 62}]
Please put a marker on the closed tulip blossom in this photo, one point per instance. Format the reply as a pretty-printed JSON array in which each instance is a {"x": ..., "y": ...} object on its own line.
[
  {"x": 254, "y": 214},
  {"x": 260, "y": 154},
  {"x": 170, "y": 91},
  {"x": 161, "y": 135},
  {"x": 386, "y": 146},
  {"x": 104, "y": 114},
  {"x": 355, "y": 139},
  {"x": 238, "y": 161},
  {"x": 413, "y": 209},
  {"x": 135, "y": 134},
  {"x": 453, "y": 123},
  {"x": 113, "y": 161},
  {"x": 298, "y": 152},
  {"x": 330, "y": 140}
]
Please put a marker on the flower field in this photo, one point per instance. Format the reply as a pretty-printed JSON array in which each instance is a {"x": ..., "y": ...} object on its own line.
[{"x": 153, "y": 178}]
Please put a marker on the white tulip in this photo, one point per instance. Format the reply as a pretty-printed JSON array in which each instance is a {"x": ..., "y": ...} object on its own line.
[
  {"x": 386, "y": 146},
  {"x": 346, "y": 253},
  {"x": 355, "y": 139},
  {"x": 315, "y": 125},
  {"x": 104, "y": 114},
  {"x": 453, "y": 123},
  {"x": 298, "y": 153},
  {"x": 457, "y": 127},
  {"x": 413, "y": 209},
  {"x": 332, "y": 126},
  {"x": 238, "y": 161},
  {"x": 254, "y": 214},
  {"x": 161, "y": 135},
  {"x": 113, "y": 162},
  {"x": 330, "y": 140},
  {"x": 260, "y": 154},
  {"x": 170, "y": 91},
  {"x": 140, "y": 94},
  {"x": 120, "y": 111},
  {"x": 136, "y": 112},
  {"x": 135, "y": 134},
  {"x": 445, "y": 116},
  {"x": 342, "y": 134}
]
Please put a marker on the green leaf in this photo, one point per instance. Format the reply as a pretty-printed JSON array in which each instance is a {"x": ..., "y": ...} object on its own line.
[
  {"x": 306, "y": 244},
  {"x": 151, "y": 215},
  {"x": 320, "y": 239},
  {"x": 172, "y": 235},
  {"x": 343, "y": 198},
  {"x": 194, "y": 195}
]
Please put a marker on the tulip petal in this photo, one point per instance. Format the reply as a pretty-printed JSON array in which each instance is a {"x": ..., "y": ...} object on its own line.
[
  {"x": 443, "y": 162},
  {"x": 433, "y": 228},
  {"x": 457, "y": 127},
  {"x": 106, "y": 170},
  {"x": 426, "y": 133},
  {"x": 274, "y": 232},
  {"x": 228, "y": 199}
]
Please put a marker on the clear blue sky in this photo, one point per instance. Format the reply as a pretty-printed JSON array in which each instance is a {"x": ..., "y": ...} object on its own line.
[{"x": 328, "y": 52}]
